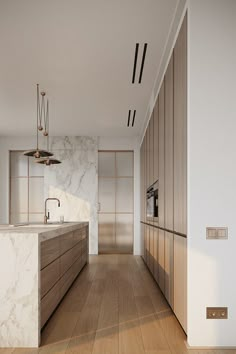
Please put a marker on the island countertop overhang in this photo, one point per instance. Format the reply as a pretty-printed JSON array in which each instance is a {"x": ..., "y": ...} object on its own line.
[{"x": 43, "y": 231}]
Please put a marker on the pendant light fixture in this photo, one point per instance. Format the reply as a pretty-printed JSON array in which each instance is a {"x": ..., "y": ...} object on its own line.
[
  {"x": 42, "y": 114},
  {"x": 47, "y": 160}
]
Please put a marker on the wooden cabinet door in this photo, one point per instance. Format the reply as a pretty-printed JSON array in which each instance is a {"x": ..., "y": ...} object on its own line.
[
  {"x": 161, "y": 192},
  {"x": 151, "y": 247},
  {"x": 155, "y": 141},
  {"x": 169, "y": 268},
  {"x": 145, "y": 176},
  {"x": 147, "y": 157},
  {"x": 155, "y": 254},
  {"x": 147, "y": 246},
  {"x": 151, "y": 149},
  {"x": 161, "y": 260},
  {"x": 180, "y": 131},
  {"x": 142, "y": 180},
  {"x": 169, "y": 147},
  {"x": 180, "y": 280}
]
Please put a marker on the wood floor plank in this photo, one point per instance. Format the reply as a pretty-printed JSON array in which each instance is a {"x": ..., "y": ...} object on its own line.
[
  {"x": 152, "y": 334},
  {"x": 173, "y": 332},
  {"x": 81, "y": 344},
  {"x": 107, "y": 341},
  {"x": 59, "y": 328},
  {"x": 144, "y": 306},
  {"x": 130, "y": 338},
  {"x": 107, "y": 334},
  {"x": 88, "y": 319}
]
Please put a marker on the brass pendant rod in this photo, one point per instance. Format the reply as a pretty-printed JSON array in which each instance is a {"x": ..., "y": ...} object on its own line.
[
  {"x": 47, "y": 126},
  {"x": 37, "y": 116}
]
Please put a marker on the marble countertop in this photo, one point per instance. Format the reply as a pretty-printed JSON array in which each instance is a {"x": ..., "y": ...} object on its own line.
[{"x": 43, "y": 231}]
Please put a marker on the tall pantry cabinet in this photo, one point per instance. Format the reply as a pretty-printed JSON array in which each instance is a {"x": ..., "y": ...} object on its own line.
[{"x": 163, "y": 156}]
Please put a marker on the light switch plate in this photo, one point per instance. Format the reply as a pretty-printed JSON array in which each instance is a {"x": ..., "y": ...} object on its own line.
[
  {"x": 217, "y": 313},
  {"x": 214, "y": 233}
]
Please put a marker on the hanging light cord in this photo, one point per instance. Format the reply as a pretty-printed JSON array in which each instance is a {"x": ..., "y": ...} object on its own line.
[{"x": 38, "y": 114}]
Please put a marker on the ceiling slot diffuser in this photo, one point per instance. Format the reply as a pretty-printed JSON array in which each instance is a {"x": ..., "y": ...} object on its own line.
[
  {"x": 129, "y": 118},
  {"x": 135, "y": 62},
  {"x": 133, "y": 117},
  {"x": 142, "y": 64}
]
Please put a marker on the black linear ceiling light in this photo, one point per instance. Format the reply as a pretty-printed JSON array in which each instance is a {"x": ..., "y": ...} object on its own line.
[
  {"x": 133, "y": 119},
  {"x": 142, "y": 62}
]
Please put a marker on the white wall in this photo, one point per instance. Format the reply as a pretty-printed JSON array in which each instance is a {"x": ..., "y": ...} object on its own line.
[
  {"x": 128, "y": 143},
  {"x": 211, "y": 169}
]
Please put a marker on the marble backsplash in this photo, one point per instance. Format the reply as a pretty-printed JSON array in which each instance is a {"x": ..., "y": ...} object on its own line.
[{"x": 74, "y": 182}]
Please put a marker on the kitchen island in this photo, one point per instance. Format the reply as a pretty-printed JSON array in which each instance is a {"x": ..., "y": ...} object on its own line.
[{"x": 38, "y": 264}]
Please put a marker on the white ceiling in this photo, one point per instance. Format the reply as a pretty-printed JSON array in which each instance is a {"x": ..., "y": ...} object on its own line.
[{"x": 81, "y": 52}]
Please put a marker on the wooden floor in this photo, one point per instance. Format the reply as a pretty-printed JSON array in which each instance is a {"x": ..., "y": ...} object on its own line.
[{"x": 114, "y": 307}]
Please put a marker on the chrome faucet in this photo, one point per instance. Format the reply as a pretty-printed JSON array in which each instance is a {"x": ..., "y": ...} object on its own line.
[{"x": 47, "y": 216}]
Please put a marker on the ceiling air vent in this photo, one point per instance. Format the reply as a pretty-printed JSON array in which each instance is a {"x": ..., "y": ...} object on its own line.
[
  {"x": 133, "y": 119},
  {"x": 142, "y": 62}
]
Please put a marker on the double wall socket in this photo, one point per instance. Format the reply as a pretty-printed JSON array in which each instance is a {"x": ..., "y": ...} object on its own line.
[
  {"x": 214, "y": 233},
  {"x": 220, "y": 313}
]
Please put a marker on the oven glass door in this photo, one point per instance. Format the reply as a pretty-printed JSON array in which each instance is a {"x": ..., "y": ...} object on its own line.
[{"x": 150, "y": 206}]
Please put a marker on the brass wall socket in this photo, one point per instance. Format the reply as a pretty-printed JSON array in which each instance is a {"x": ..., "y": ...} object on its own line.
[
  {"x": 214, "y": 233},
  {"x": 220, "y": 313}
]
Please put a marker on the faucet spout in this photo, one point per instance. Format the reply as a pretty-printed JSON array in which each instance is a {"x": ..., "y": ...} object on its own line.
[{"x": 47, "y": 216}]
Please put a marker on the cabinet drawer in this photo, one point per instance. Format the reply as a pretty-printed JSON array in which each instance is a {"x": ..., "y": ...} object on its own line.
[
  {"x": 67, "y": 241},
  {"x": 50, "y": 250},
  {"x": 49, "y": 303},
  {"x": 68, "y": 258},
  {"x": 79, "y": 234},
  {"x": 49, "y": 276},
  {"x": 77, "y": 266},
  {"x": 66, "y": 281}
]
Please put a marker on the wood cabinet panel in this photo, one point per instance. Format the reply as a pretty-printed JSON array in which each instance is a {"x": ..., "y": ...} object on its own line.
[
  {"x": 147, "y": 156},
  {"x": 50, "y": 250},
  {"x": 49, "y": 276},
  {"x": 156, "y": 141},
  {"x": 169, "y": 146},
  {"x": 67, "y": 241},
  {"x": 145, "y": 244},
  {"x": 151, "y": 149},
  {"x": 147, "y": 247},
  {"x": 151, "y": 250},
  {"x": 180, "y": 279},
  {"x": 71, "y": 252},
  {"x": 169, "y": 268},
  {"x": 68, "y": 258},
  {"x": 66, "y": 281},
  {"x": 180, "y": 131},
  {"x": 49, "y": 303},
  {"x": 161, "y": 192},
  {"x": 161, "y": 260},
  {"x": 155, "y": 253}
]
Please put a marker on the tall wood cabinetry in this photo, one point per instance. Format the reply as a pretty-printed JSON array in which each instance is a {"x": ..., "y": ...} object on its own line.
[{"x": 164, "y": 159}]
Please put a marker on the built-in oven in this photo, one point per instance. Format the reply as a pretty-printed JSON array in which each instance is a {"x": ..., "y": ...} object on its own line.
[{"x": 152, "y": 202}]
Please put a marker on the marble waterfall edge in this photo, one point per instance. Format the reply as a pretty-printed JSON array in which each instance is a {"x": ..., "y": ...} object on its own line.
[
  {"x": 19, "y": 290},
  {"x": 75, "y": 182}
]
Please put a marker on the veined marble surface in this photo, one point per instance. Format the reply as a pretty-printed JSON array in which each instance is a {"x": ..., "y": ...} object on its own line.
[
  {"x": 20, "y": 281},
  {"x": 19, "y": 290},
  {"x": 42, "y": 231},
  {"x": 74, "y": 182}
]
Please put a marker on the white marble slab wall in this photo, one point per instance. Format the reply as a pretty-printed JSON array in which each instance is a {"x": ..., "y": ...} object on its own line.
[
  {"x": 74, "y": 182},
  {"x": 19, "y": 290}
]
